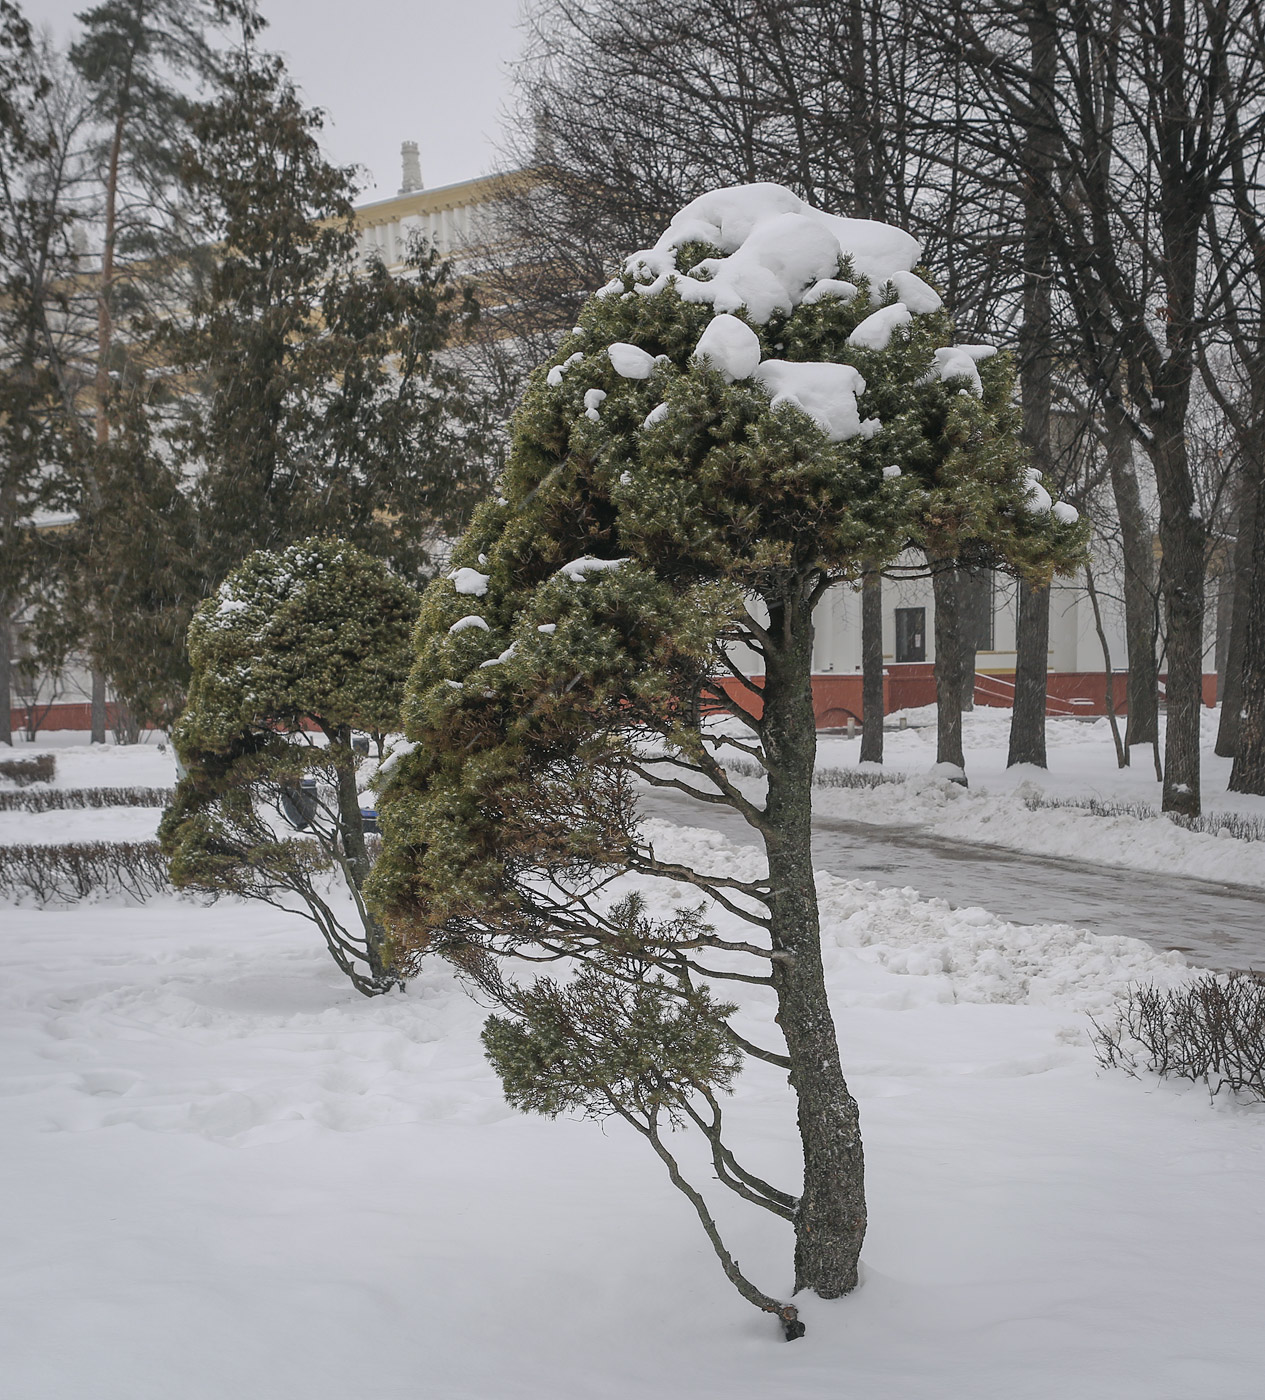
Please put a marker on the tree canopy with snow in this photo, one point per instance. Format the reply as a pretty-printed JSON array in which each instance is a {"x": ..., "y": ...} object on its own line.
[
  {"x": 765, "y": 399},
  {"x": 298, "y": 649}
]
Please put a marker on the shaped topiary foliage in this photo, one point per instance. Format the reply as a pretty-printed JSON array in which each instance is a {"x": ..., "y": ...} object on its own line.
[
  {"x": 297, "y": 650},
  {"x": 711, "y": 450}
]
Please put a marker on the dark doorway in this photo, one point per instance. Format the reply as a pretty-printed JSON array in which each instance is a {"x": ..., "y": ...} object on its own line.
[{"x": 911, "y": 634}]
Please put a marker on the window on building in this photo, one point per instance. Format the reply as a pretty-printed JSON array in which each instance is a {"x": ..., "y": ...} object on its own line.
[{"x": 911, "y": 634}]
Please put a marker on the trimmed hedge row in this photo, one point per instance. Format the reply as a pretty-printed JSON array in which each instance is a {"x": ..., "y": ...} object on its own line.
[
  {"x": 67, "y": 873},
  {"x": 68, "y": 799},
  {"x": 39, "y": 768}
]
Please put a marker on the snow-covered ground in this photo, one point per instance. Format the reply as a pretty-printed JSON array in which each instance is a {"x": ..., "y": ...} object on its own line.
[
  {"x": 225, "y": 1174},
  {"x": 1082, "y": 763},
  {"x": 81, "y": 764}
]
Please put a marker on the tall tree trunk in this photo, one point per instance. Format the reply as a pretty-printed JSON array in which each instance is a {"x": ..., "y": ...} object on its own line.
[
  {"x": 1224, "y": 612},
  {"x": 949, "y": 667},
  {"x": 1248, "y": 772},
  {"x": 1036, "y": 381},
  {"x": 872, "y": 667},
  {"x": 105, "y": 332},
  {"x": 975, "y": 594},
  {"x": 1247, "y": 506},
  {"x": 98, "y": 708},
  {"x": 6, "y": 677},
  {"x": 1032, "y": 654},
  {"x": 1140, "y": 585},
  {"x": 1182, "y": 539},
  {"x": 830, "y": 1218}
]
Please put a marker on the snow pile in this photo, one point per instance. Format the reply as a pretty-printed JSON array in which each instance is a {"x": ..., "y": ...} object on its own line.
[
  {"x": 875, "y": 332},
  {"x": 730, "y": 346},
  {"x": 579, "y": 570},
  {"x": 630, "y": 361},
  {"x": 500, "y": 660},
  {"x": 831, "y": 287},
  {"x": 470, "y": 582},
  {"x": 920, "y": 298},
  {"x": 593, "y": 400},
  {"x": 826, "y": 392},
  {"x": 656, "y": 415},
  {"x": 983, "y": 958},
  {"x": 959, "y": 362},
  {"x": 974, "y": 955},
  {"x": 470, "y": 620},
  {"x": 1036, "y": 499},
  {"x": 776, "y": 248},
  {"x": 554, "y": 377}
]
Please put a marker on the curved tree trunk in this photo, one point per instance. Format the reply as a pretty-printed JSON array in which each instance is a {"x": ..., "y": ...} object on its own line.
[
  {"x": 872, "y": 667},
  {"x": 830, "y": 1219}
]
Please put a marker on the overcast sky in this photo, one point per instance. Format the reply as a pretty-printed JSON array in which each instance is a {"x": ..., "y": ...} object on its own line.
[{"x": 386, "y": 71}]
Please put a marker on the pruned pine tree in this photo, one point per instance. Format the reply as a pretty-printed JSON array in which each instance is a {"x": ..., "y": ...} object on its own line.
[
  {"x": 709, "y": 452},
  {"x": 295, "y": 651}
]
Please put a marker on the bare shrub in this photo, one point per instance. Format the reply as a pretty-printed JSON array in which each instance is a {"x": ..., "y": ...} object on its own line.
[
  {"x": 1211, "y": 1031},
  {"x": 67, "y": 873},
  {"x": 1237, "y": 824},
  {"x": 68, "y": 799},
  {"x": 39, "y": 768},
  {"x": 822, "y": 777}
]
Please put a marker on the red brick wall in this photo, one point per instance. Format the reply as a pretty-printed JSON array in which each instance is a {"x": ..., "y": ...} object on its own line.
[{"x": 912, "y": 684}]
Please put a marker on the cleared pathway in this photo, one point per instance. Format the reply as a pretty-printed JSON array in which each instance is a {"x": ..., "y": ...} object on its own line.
[{"x": 1211, "y": 923}]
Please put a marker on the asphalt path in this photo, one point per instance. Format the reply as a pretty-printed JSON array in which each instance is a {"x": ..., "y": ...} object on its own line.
[{"x": 1213, "y": 924}]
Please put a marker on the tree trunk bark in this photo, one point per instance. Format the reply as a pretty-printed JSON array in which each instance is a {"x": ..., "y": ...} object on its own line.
[
  {"x": 6, "y": 678},
  {"x": 98, "y": 719},
  {"x": 1032, "y": 655},
  {"x": 830, "y": 1218},
  {"x": 1224, "y": 612},
  {"x": 872, "y": 667},
  {"x": 1182, "y": 539},
  {"x": 1248, "y": 772},
  {"x": 1247, "y": 509},
  {"x": 1036, "y": 381},
  {"x": 949, "y": 668},
  {"x": 974, "y": 595},
  {"x": 1137, "y": 549}
]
